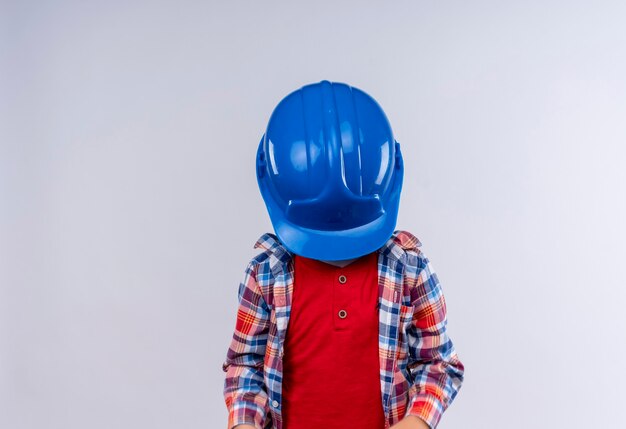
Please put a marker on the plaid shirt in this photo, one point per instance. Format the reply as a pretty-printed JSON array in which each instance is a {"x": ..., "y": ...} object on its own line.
[{"x": 420, "y": 372}]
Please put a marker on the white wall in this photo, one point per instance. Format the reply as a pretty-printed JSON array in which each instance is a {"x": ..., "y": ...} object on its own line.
[{"x": 129, "y": 204}]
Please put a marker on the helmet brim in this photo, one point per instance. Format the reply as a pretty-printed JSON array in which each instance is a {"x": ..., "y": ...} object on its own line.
[{"x": 336, "y": 245}]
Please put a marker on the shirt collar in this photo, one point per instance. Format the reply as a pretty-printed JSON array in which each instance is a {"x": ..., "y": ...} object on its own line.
[{"x": 396, "y": 245}]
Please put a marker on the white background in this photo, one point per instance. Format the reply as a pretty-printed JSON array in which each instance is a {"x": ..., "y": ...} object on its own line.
[{"x": 129, "y": 204}]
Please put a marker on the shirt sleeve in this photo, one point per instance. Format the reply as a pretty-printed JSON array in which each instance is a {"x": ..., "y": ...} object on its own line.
[
  {"x": 245, "y": 393},
  {"x": 435, "y": 366}
]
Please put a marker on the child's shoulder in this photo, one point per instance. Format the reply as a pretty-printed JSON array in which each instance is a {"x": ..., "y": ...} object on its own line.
[
  {"x": 406, "y": 240},
  {"x": 415, "y": 259},
  {"x": 271, "y": 252}
]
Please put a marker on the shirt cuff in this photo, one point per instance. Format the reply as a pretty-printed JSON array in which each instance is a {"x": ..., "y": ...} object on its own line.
[
  {"x": 242, "y": 412},
  {"x": 427, "y": 407}
]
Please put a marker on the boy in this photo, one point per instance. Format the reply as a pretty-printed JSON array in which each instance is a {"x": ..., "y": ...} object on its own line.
[{"x": 366, "y": 344}]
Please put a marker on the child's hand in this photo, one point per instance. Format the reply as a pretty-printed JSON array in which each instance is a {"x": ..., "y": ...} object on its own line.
[{"x": 411, "y": 422}]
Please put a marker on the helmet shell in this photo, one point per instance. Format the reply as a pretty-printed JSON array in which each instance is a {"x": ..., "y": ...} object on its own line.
[{"x": 330, "y": 172}]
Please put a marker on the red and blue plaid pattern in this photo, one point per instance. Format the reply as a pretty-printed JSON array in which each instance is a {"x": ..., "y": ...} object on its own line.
[{"x": 420, "y": 372}]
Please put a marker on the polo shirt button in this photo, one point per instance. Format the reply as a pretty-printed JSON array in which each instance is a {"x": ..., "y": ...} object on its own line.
[
  {"x": 275, "y": 403},
  {"x": 342, "y": 279},
  {"x": 343, "y": 314}
]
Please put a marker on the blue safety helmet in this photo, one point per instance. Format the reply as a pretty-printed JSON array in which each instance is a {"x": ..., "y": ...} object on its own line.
[{"x": 330, "y": 172}]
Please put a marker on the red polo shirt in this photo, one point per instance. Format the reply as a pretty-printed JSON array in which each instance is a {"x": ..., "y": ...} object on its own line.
[{"x": 331, "y": 365}]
